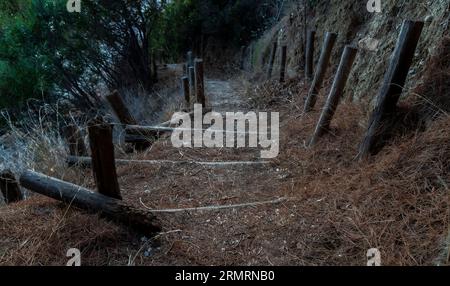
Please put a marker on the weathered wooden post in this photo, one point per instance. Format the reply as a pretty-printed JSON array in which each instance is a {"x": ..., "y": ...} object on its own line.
[
  {"x": 199, "y": 82},
  {"x": 75, "y": 140},
  {"x": 242, "y": 60},
  {"x": 192, "y": 80},
  {"x": 305, "y": 27},
  {"x": 272, "y": 59},
  {"x": 10, "y": 188},
  {"x": 395, "y": 78},
  {"x": 340, "y": 80},
  {"x": 283, "y": 63},
  {"x": 309, "y": 55},
  {"x": 190, "y": 59},
  {"x": 330, "y": 40},
  {"x": 186, "y": 92},
  {"x": 103, "y": 160},
  {"x": 120, "y": 109}
]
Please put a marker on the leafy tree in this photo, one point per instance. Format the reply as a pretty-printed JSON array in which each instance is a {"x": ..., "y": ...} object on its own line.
[{"x": 47, "y": 52}]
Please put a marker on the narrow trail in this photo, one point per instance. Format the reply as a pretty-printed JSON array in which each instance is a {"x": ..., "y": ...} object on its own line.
[
  {"x": 222, "y": 96},
  {"x": 208, "y": 232}
]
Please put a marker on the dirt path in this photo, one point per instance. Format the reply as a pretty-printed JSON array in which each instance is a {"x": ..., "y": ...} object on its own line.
[
  {"x": 223, "y": 96},
  {"x": 212, "y": 236}
]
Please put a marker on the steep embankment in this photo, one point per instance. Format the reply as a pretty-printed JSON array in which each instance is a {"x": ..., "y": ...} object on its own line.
[{"x": 374, "y": 33}]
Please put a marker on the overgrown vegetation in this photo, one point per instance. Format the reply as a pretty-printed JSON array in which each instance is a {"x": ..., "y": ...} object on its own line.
[{"x": 49, "y": 54}]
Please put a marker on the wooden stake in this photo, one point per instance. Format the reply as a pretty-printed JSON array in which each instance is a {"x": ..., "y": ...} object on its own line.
[
  {"x": 283, "y": 63},
  {"x": 10, "y": 188},
  {"x": 120, "y": 108},
  {"x": 187, "y": 96},
  {"x": 272, "y": 59},
  {"x": 103, "y": 161},
  {"x": 73, "y": 195},
  {"x": 309, "y": 55},
  {"x": 395, "y": 78},
  {"x": 330, "y": 40},
  {"x": 75, "y": 140},
  {"x": 190, "y": 59},
  {"x": 199, "y": 82},
  {"x": 340, "y": 80},
  {"x": 305, "y": 28},
  {"x": 192, "y": 80}
]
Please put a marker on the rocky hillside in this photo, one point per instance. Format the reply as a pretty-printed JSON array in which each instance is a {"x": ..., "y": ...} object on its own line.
[{"x": 374, "y": 33}]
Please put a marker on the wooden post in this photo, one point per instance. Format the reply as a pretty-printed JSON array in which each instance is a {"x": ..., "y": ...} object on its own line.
[
  {"x": 120, "y": 108},
  {"x": 190, "y": 59},
  {"x": 395, "y": 78},
  {"x": 103, "y": 161},
  {"x": 242, "y": 57},
  {"x": 330, "y": 40},
  {"x": 199, "y": 82},
  {"x": 75, "y": 140},
  {"x": 305, "y": 28},
  {"x": 272, "y": 59},
  {"x": 10, "y": 188},
  {"x": 116, "y": 210},
  {"x": 192, "y": 80},
  {"x": 283, "y": 63},
  {"x": 340, "y": 80},
  {"x": 185, "y": 83},
  {"x": 309, "y": 55}
]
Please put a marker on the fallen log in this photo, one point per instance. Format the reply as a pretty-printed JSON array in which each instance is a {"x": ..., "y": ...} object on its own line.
[{"x": 113, "y": 209}]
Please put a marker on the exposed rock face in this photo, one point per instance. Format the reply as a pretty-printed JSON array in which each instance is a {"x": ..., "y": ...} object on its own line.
[{"x": 374, "y": 33}]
